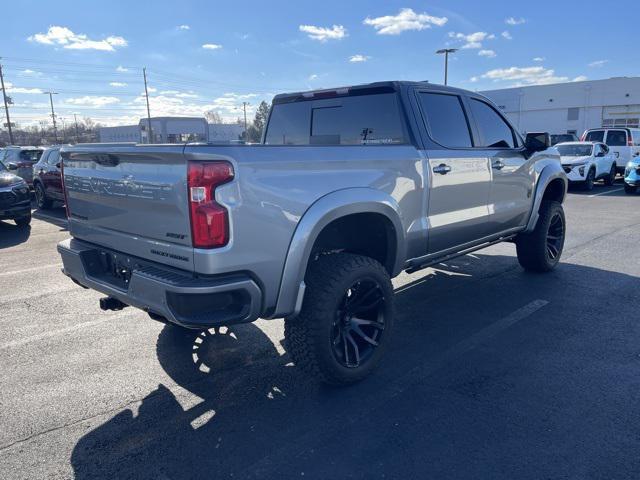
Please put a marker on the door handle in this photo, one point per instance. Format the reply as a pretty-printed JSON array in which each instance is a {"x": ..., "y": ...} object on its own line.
[
  {"x": 498, "y": 165},
  {"x": 442, "y": 169}
]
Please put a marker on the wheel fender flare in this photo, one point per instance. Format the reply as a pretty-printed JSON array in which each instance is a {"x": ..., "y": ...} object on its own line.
[
  {"x": 325, "y": 210},
  {"x": 549, "y": 172}
]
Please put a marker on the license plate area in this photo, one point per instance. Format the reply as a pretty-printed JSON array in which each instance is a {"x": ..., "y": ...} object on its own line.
[{"x": 108, "y": 267}]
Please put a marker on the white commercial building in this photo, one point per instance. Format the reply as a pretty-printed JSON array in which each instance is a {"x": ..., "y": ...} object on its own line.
[
  {"x": 571, "y": 107},
  {"x": 123, "y": 133},
  {"x": 173, "y": 130}
]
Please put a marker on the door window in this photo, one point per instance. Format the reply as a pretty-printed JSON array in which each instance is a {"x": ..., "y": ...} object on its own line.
[
  {"x": 54, "y": 157},
  {"x": 445, "y": 118},
  {"x": 617, "y": 138},
  {"x": 495, "y": 132},
  {"x": 595, "y": 136}
]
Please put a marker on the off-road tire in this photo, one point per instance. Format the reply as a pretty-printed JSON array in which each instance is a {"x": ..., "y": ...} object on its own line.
[
  {"x": 43, "y": 202},
  {"x": 630, "y": 189},
  {"x": 23, "y": 221},
  {"x": 611, "y": 178},
  {"x": 308, "y": 334},
  {"x": 532, "y": 248}
]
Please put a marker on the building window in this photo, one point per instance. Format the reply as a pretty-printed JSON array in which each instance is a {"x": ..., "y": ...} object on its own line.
[{"x": 573, "y": 113}]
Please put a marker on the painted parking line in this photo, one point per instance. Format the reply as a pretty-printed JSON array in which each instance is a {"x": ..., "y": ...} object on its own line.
[
  {"x": 62, "y": 331},
  {"x": 32, "y": 269},
  {"x": 605, "y": 193}
]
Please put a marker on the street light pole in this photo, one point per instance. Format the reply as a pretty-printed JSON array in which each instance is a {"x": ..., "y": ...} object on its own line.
[
  {"x": 53, "y": 115},
  {"x": 446, "y": 52}
]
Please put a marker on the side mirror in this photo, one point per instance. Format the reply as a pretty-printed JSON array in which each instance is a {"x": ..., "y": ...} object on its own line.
[
  {"x": 58, "y": 165},
  {"x": 12, "y": 166},
  {"x": 600, "y": 154},
  {"x": 537, "y": 141}
]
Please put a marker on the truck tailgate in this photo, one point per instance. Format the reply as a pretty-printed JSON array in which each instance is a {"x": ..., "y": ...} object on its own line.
[{"x": 132, "y": 199}]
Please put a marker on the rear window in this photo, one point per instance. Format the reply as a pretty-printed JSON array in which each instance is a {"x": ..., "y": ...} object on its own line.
[
  {"x": 616, "y": 138},
  {"x": 30, "y": 155},
  {"x": 357, "y": 120},
  {"x": 595, "y": 136}
]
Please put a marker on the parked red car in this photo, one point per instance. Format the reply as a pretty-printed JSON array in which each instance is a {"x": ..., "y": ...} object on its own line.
[{"x": 47, "y": 179}]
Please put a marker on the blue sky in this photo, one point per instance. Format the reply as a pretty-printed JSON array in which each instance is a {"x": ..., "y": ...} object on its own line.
[{"x": 215, "y": 55}]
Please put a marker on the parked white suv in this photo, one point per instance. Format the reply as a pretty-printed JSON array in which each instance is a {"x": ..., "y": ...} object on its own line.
[
  {"x": 586, "y": 162},
  {"x": 624, "y": 143}
]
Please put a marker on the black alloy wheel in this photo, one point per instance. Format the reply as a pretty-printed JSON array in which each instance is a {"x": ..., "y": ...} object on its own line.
[{"x": 359, "y": 324}]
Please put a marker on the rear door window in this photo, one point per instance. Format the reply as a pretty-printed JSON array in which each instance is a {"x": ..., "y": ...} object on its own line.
[
  {"x": 617, "y": 138},
  {"x": 494, "y": 131},
  {"x": 594, "y": 136},
  {"x": 445, "y": 119},
  {"x": 54, "y": 157}
]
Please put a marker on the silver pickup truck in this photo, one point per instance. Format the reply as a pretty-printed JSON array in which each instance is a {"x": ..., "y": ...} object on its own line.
[{"x": 349, "y": 187}]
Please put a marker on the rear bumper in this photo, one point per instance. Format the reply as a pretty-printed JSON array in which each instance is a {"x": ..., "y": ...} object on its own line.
[{"x": 179, "y": 297}]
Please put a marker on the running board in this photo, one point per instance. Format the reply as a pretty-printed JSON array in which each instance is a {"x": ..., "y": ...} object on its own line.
[{"x": 431, "y": 262}]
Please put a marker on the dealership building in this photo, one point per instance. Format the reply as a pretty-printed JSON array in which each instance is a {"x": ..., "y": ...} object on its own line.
[
  {"x": 571, "y": 107},
  {"x": 172, "y": 130}
]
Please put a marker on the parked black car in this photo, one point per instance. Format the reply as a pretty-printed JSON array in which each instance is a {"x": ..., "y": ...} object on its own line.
[{"x": 15, "y": 198}]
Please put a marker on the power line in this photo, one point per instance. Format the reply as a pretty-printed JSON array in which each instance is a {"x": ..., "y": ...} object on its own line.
[{"x": 6, "y": 106}]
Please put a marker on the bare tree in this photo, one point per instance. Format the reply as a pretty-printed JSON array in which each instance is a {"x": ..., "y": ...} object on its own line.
[{"x": 213, "y": 116}]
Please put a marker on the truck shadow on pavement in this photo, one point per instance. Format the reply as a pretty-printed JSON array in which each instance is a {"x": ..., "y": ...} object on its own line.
[{"x": 242, "y": 410}]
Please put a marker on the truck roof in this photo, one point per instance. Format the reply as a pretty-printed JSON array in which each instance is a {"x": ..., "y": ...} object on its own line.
[{"x": 362, "y": 89}]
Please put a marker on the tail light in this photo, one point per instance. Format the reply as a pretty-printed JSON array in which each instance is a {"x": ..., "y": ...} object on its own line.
[
  {"x": 629, "y": 141},
  {"x": 209, "y": 220}
]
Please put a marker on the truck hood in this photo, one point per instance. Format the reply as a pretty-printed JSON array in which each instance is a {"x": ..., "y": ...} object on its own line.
[
  {"x": 7, "y": 179},
  {"x": 571, "y": 160}
]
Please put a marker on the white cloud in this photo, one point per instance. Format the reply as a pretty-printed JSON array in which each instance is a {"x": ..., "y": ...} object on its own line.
[
  {"x": 506, "y": 35},
  {"x": 31, "y": 72},
  {"x": 359, "y": 58},
  {"x": 525, "y": 75},
  {"x": 92, "y": 101},
  {"x": 539, "y": 59},
  {"x": 487, "y": 53},
  {"x": 406, "y": 19},
  {"x": 118, "y": 84},
  {"x": 598, "y": 63},
  {"x": 472, "y": 40},
  {"x": 514, "y": 21},
  {"x": 473, "y": 79},
  {"x": 30, "y": 91},
  {"x": 322, "y": 34},
  {"x": 120, "y": 68},
  {"x": 211, "y": 46},
  {"x": 313, "y": 76},
  {"x": 64, "y": 37},
  {"x": 184, "y": 27},
  {"x": 580, "y": 78}
]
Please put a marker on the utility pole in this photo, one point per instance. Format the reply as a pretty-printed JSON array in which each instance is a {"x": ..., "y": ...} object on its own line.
[
  {"x": 146, "y": 93},
  {"x": 75, "y": 119},
  {"x": 446, "y": 52},
  {"x": 53, "y": 114},
  {"x": 244, "y": 107},
  {"x": 6, "y": 105}
]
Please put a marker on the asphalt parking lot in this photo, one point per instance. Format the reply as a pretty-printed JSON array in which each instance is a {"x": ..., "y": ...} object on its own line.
[{"x": 493, "y": 373}]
